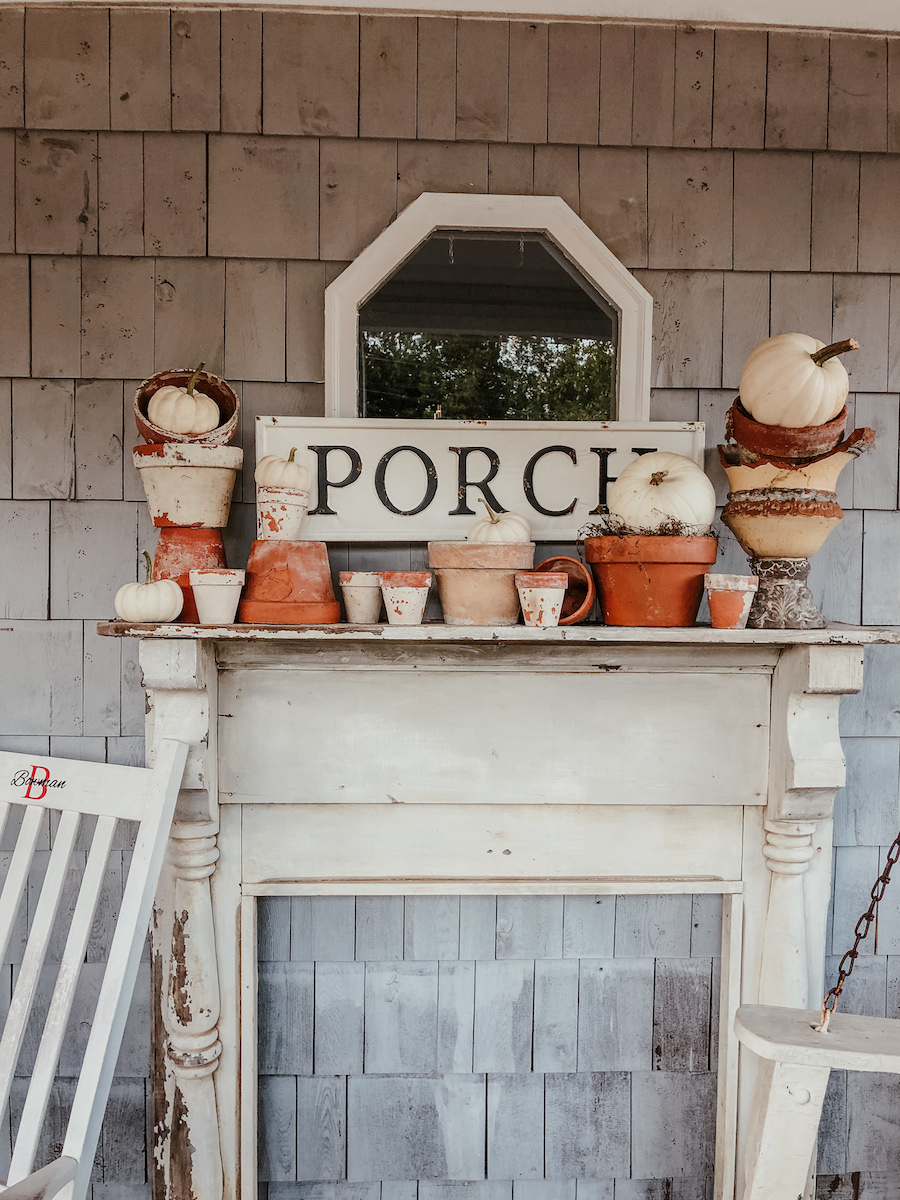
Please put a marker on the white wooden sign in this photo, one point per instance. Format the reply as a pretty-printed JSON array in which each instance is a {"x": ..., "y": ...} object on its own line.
[{"x": 378, "y": 480}]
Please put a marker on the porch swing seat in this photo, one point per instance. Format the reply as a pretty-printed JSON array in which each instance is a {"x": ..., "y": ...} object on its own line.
[{"x": 793, "y": 1075}]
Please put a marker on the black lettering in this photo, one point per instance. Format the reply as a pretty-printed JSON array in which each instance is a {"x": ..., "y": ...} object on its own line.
[
  {"x": 431, "y": 484},
  {"x": 464, "y": 482},
  {"x": 603, "y": 452},
  {"x": 323, "y": 483},
  {"x": 528, "y": 481}
]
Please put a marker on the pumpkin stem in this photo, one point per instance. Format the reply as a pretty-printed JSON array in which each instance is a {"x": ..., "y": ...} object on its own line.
[
  {"x": 149, "y": 566},
  {"x": 290, "y": 457},
  {"x": 823, "y": 355},
  {"x": 657, "y": 477},
  {"x": 195, "y": 375},
  {"x": 494, "y": 519}
]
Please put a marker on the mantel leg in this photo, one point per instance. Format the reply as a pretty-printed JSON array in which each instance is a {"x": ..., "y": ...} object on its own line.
[{"x": 784, "y": 974}]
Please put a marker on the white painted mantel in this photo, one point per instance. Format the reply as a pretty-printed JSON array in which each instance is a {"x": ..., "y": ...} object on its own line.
[{"x": 340, "y": 760}]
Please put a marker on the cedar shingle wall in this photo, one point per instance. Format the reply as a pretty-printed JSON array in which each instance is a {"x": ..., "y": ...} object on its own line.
[{"x": 184, "y": 184}]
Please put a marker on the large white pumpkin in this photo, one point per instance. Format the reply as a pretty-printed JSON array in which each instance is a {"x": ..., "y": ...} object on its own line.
[
  {"x": 659, "y": 488},
  {"x": 794, "y": 380}
]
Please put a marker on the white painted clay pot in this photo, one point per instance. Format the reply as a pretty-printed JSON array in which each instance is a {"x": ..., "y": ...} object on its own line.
[
  {"x": 541, "y": 594},
  {"x": 362, "y": 596},
  {"x": 477, "y": 580},
  {"x": 188, "y": 485},
  {"x": 730, "y": 597},
  {"x": 280, "y": 513},
  {"x": 405, "y": 595},
  {"x": 216, "y": 594}
]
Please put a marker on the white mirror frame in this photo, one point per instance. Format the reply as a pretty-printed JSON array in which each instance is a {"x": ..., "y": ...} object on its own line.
[{"x": 547, "y": 215}]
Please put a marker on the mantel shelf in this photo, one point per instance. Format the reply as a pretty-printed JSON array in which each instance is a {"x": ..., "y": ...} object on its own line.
[{"x": 697, "y": 635}]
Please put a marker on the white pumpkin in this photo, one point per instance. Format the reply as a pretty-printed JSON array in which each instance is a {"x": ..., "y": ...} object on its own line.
[
  {"x": 794, "y": 380},
  {"x": 277, "y": 472},
  {"x": 153, "y": 602},
  {"x": 661, "y": 487},
  {"x": 499, "y": 527},
  {"x": 182, "y": 409}
]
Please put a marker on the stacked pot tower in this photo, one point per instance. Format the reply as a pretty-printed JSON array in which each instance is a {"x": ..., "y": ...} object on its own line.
[
  {"x": 785, "y": 448},
  {"x": 187, "y": 418}
]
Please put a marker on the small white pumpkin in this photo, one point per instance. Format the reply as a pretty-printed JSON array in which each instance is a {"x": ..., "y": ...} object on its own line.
[
  {"x": 154, "y": 602},
  {"x": 182, "y": 409},
  {"x": 661, "y": 487},
  {"x": 499, "y": 527},
  {"x": 794, "y": 380},
  {"x": 277, "y": 472}
]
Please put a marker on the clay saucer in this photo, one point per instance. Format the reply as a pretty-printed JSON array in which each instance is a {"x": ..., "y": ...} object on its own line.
[{"x": 580, "y": 592}]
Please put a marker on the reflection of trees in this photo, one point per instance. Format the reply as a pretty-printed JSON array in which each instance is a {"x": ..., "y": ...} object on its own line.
[{"x": 521, "y": 378}]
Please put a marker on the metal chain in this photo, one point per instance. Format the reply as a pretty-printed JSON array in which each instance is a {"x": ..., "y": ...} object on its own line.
[{"x": 862, "y": 928}]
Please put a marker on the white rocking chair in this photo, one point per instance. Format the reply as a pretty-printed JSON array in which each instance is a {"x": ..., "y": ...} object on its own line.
[{"x": 76, "y": 789}]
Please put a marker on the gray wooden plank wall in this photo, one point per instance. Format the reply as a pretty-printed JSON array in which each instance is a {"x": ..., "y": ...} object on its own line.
[
  {"x": 177, "y": 185},
  {"x": 522, "y": 1044}
]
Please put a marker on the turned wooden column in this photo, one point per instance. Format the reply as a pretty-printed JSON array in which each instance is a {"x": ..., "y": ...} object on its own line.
[{"x": 180, "y": 678}]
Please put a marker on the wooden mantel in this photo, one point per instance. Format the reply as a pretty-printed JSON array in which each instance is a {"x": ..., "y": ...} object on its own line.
[{"x": 435, "y": 759}]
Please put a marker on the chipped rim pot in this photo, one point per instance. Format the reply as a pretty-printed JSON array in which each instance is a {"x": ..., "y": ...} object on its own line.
[
  {"x": 645, "y": 580},
  {"x": 580, "y": 592},
  {"x": 362, "y": 596},
  {"x": 216, "y": 593},
  {"x": 280, "y": 513},
  {"x": 477, "y": 580},
  {"x": 405, "y": 595},
  {"x": 782, "y": 442},
  {"x": 212, "y": 385},
  {"x": 730, "y": 597},
  {"x": 187, "y": 485},
  {"x": 541, "y": 594}
]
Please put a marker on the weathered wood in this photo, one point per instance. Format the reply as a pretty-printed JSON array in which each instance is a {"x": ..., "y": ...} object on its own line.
[
  {"x": 802, "y": 302},
  {"x": 555, "y": 1015},
  {"x": 893, "y": 96},
  {"x": 339, "y": 1028},
  {"x": 431, "y": 927},
  {"x": 43, "y": 417},
  {"x": 82, "y": 534},
  {"x": 15, "y": 352},
  {"x": 358, "y": 197},
  {"x": 43, "y": 677},
  {"x": 175, "y": 193},
  {"x": 196, "y": 69},
  {"x": 120, "y": 190},
  {"x": 273, "y": 922},
  {"x": 865, "y": 811},
  {"x": 504, "y": 1006},
  {"x": 616, "y": 84},
  {"x": 98, "y": 440},
  {"x": 305, "y": 319},
  {"x": 440, "y": 166},
  {"x": 797, "y": 91},
  {"x": 477, "y": 926},
  {"x": 515, "y": 1126},
  {"x": 311, "y": 76},
  {"x": 876, "y": 485},
  {"x": 529, "y": 926},
  {"x": 189, "y": 313},
  {"x": 529, "y": 59},
  {"x": 436, "y": 78},
  {"x": 456, "y": 1015},
  {"x": 482, "y": 80},
  {"x": 745, "y": 321},
  {"x": 832, "y": 1149},
  {"x": 879, "y": 229},
  {"x": 321, "y": 1128},
  {"x": 693, "y": 86},
  {"x": 407, "y": 1128},
  {"x": 739, "y": 88},
  {"x": 56, "y": 193},
  {"x": 55, "y": 317},
  {"x": 681, "y": 1015},
  {"x": 771, "y": 211},
  {"x": 67, "y": 69},
  {"x": 278, "y": 1117},
  {"x": 862, "y": 301},
  {"x": 511, "y": 170},
  {"x": 676, "y": 1134},
  {"x": 615, "y": 1015},
  {"x": 687, "y": 327},
  {"x": 286, "y": 1018},
  {"x": 588, "y": 926},
  {"x": 857, "y": 94},
  {"x": 573, "y": 83},
  {"x": 323, "y": 928},
  {"x": 139, "y": 71},
  {"x": 387, "y": 77},
  {"x": 706, "y": 926},
  {"x": 613, "y": 186},
  {"x": 12, "y": 67},
  {"x": 8, "y": 192},
  {"x": 254, "y": 319},
  {"x": 556, "y": 173},
  {"x": 587, "y": 1125},
  {"x": 835, "y": 212},
  {"x": 688, "y": 191},
  {"x": 117, "y": 318},
  {"x": 263, "y": 198},
  {"x": 647, "y": 925},
  {"x": 241, "y": 85},
  {"x": 654, "y": 86},
  {"x": 379, "y": 928},
  {"x": 401, "y": 1018},
  {"x": 101, "y": 687}
]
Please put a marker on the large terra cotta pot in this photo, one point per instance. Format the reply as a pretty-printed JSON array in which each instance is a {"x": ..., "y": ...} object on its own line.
[
  {"x": 477, "y": 580},
  {"x": 647, "y": 580}
]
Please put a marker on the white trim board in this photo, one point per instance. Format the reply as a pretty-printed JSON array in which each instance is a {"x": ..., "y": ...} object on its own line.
[{"x": 547, "y": 215}]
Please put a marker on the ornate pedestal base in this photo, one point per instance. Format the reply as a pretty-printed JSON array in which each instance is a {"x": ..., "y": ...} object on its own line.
[{"x": 783, "y": 600}]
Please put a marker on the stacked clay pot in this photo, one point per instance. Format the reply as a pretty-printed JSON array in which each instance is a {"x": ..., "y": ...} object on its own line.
[{"x": 784, "y": 451}]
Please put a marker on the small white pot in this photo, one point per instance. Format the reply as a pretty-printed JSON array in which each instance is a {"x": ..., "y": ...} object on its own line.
[
  {"x": 216, "y": 594},
  {"x": 541, "y": 594},
  {"x": 280, "y": 513},
  {"x": 405, "y": 596},
  {"x": 362, "y": 596}
]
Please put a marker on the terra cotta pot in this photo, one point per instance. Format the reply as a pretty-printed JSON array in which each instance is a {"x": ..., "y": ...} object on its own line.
[
  {"x": 644, "y": 580},
  {"x": 477, "y": 580}
]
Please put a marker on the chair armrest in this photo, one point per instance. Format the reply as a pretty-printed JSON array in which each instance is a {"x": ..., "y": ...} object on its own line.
[{"x": 45, "y": 1183}]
